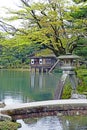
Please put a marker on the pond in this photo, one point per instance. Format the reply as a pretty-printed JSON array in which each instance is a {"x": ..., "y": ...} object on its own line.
[{"x": 23, "y": 86}]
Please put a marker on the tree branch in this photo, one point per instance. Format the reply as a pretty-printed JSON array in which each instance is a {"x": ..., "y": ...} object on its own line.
[
  {"x": 25, "y": 2},
  {"x": 10, "y": 29},
  {"x": 32, "y": 12},
  {"x": 36, "y": 19}
]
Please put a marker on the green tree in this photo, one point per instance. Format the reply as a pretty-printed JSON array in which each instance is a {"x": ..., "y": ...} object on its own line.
[
  {"x": 81, "y": 15},
  {"x": 79, "y": 1},
  {"x": 14, "y": 53},
  {"x": 52, "y": 24}
]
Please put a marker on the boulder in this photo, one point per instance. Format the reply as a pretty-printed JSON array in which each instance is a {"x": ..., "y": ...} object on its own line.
[
  {"x": 2, "y": 104},
  {"x": 78, "y": 96},
  {"x": 5, "y": 117}
]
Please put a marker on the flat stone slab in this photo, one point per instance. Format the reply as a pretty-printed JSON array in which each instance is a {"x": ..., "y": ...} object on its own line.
[
  {"x": 46, "y": 103},
  {"x": 5, "y": 117},
  {"x": 46, "y": 108}
]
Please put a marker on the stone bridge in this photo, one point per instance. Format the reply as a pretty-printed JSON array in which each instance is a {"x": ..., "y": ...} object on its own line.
[{"x": 69, "y": 107}]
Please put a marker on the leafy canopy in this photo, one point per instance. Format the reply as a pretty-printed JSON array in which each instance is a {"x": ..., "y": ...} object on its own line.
[{"x": 53, "y": 24}]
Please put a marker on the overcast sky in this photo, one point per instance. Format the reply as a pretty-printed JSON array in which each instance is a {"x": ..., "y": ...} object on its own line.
[
  {"x": 11, "y": 4},
  {"x": 8, "y": 4}
]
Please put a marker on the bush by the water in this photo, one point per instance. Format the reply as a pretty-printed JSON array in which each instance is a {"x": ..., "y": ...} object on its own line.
[
  {"x": 7, "y": 125},
  {"x": 82, "y": 84}
]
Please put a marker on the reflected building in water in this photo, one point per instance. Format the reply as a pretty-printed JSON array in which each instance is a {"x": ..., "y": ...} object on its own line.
[{"x": 36, "y": 80}]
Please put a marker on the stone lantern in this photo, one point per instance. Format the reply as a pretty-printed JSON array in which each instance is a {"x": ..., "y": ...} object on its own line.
[{"x": 68, "y": 68}]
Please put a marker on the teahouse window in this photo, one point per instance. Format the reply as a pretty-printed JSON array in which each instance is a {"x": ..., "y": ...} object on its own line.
[
  {"x": 40, "y": 61},
  {"x": 32, "y": 61},
  {"x": 48, "y": 61}
]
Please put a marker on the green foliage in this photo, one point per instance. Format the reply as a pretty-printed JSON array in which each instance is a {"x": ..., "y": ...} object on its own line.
[
  {"x": 82, "y": 84},
  {"x": 7, "y": 125},
  {"x": 15, "y": 54},
  {"x": 81, "y": 50},
  {"x": 67, "y": 91},
  {"x": 44, "y": 52},
  {"x": 80, "y": 13},
  {"x": 53, "y": 24},
  {"x": 79, "y": 1},
  {"x": 82, "y": 75}
]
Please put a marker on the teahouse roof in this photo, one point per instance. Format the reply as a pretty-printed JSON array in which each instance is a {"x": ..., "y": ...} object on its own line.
[{"x": 49, "y": 56}]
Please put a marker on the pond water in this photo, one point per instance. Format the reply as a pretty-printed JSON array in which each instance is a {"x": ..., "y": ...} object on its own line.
[
  {"x": 18, "y": 86},
  {"x": 23, "y": 86}
]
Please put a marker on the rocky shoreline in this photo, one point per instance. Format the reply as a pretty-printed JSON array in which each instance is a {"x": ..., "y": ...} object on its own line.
[{"x": 6, "y": 122}]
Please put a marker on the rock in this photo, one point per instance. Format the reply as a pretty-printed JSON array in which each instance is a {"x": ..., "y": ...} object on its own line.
[
  {"x": 78, "y": 96},
  {"x": 59, "y": 114},
  {"x": 2, "y": 104},
  {"x": 5, "y": 117}
]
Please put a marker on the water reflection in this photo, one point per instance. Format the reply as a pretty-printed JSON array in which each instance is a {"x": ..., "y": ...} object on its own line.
[
  {"x": 74, "y": 123},
  {"x": 55, "y": 123},
  {"x": 17, "y": 87},
  {"x": 32, "y": 80},
  {"x": 26, "y": 86},
  {"x": 37, "y": 79},
  {"x": 46, "y": 123}
]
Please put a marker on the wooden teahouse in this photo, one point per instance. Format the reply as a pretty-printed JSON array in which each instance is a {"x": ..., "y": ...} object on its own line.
[{"x": 42, "y": 63}]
